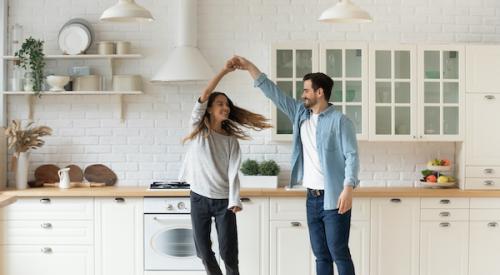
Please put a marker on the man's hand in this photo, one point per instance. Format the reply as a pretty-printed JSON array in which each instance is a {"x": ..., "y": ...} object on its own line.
[
  {"x": 345, "y": 200},
  {"x": 230, "y": 66},
  {"x": 235, "y": 209},
  {"x": 242, "y": 63}
]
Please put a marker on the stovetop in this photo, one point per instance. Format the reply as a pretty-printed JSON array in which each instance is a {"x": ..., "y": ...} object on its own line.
[{"x": 162, "y": 185}]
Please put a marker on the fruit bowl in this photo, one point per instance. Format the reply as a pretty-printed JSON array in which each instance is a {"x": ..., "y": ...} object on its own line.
[
  {"x": 57, "y": 82},
  {"x": 437, "y": 185}
]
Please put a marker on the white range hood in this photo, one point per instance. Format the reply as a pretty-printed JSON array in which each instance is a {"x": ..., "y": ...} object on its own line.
[{"x": 185, "y": 63}]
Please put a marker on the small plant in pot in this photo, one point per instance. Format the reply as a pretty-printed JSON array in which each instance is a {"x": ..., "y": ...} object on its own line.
[
  {"x": 31, "y": 59},
  {"x": 259, "y": 175}
]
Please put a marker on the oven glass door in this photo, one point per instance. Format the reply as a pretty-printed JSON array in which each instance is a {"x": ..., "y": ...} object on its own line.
[{"x": 169, "y": 244}]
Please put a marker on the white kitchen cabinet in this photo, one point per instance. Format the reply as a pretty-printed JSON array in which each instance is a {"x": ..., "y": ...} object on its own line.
[
  {"x": 290, "y": 62},
  {"x": 291, "y": 252},
  {"x": 444, "y": 236},
  {"x": 484, "y": 247},
  {"x": 483, "y": 130},
  {"x": 47, "y": 236},
  {"x": 253, "y": 236},
  {"x": 119, "y": 236},
  {"x": 483, "y": 68},
  {"x": 47, "y": 260},
  {"x": 347, "y": 65},
  {"x": 393, "y": 92},
  {"x": 441, "y": 92},
  {"x": 394, "y": 237},
  {"x": 444, "y": 247}
]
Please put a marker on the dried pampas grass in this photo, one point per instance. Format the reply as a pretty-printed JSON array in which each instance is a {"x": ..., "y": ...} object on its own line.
[{"x": 22, "y": 139}]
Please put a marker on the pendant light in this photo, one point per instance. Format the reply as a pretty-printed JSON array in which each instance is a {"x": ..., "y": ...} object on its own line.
[
  {"x": 126, "y": 11},
  {"x": 345, "y": 12}
]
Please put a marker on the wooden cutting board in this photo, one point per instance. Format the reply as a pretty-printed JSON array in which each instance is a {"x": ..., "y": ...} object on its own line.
[
  {"x": 47, "y": 173},
  {"x": 75, "y": 173},
  {"x": 100, "y": 173}
]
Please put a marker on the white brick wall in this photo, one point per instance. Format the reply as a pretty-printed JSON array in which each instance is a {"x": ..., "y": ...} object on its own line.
[{"x": 147, "y": 146}]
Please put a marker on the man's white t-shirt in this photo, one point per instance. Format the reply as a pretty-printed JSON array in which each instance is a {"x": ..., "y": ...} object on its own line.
[{"x": 313, "y": 176}]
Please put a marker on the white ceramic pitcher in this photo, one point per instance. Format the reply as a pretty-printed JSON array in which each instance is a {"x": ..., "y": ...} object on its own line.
[{"x": 64, "y": 178}]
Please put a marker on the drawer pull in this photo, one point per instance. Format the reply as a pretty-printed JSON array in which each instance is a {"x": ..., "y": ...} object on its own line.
[
  {"x": 489, "y": 182},
  {"x": 445, "y": 224},
  {"x": 489, "y": 97},
  {"x": 444, "y": 214},
  {"x": 488, "y": 171},
  {"x": 46, "y": 250},
  {"x": 295, "y": 224},
  {"x": 246, "y": 200},
  {"x": 46, "y": 225},
  {"x": 492, "y": 224},
  {"x": 119, "y": 200},
  {"x": 444, "y": 201},
  {"x": 396, "y": 200},
  {"x": 45, "y": 200}
]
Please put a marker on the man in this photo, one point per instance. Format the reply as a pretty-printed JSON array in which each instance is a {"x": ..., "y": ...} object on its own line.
[{"x": 325, "y": 158}]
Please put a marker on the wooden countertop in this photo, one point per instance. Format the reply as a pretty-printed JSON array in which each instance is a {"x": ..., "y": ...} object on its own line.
[
  {"x": 280, "y": 192},
  {"x": 6, "y": 200}
]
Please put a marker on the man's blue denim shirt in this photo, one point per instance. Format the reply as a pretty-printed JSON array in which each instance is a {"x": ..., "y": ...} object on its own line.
[{"x": 335, "y": 138}]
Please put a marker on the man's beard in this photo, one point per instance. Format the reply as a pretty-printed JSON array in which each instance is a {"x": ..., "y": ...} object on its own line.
[{"x": 308, "y": 103}]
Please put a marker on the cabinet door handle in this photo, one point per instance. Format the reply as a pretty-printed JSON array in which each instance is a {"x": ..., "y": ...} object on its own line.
[
  {"x": 246, "y": 200},
  {"x": 396, "y": 200},
  {"x": 445, "y": 224},
  {"x": 444, "y": 201},
  {"x": 488, "y": 171},
  {"x": 119, "y": 200},
  {"x": 444, "y": 214},
  {"x": 45, "y": 200},
  {"x": 489, "y": 97},
  {"x": 295, "y": 224},
  {"x": 46, "y": 225},
  {"x": 46, "y": 250},
  {"x": 489, "y": 182},
  {"x": 492, "y": 224}
]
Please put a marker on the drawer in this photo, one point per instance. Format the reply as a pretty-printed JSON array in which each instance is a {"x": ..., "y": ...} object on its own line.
[
  {"x": 482, "y": 171},
  {"x": 482, "y": 183},
  {"x": 444, "y": 203},
  {"x": 288, "y": 209},
  {"x": 444, "y": 214},
  {"x": 47, "y": 232},
  {"x": 57, "y": 208},
  {"x": 485, "y": 214},
  {"x": 485, "y": 203}
]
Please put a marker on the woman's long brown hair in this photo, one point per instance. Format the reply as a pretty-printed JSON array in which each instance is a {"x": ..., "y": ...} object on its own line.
[{"x": 232, "y": 126}]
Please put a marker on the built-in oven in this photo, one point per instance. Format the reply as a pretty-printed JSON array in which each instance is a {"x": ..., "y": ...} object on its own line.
[{"x": 168, "y": 236}]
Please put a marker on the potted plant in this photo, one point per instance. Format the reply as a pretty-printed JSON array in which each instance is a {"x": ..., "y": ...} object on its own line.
[
  {"x": 259, "y": 175},
  {"x": 31, "y": 59},
  {"x": 22, "y": 140}
]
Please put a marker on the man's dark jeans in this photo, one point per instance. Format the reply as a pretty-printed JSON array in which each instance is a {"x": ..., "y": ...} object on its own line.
[
  {"x": 329, "y": 235},
  {"x": 202, "y": 211}
]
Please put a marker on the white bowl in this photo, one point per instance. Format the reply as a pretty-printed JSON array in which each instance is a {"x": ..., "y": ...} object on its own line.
[{"x": 57, "y": 82}]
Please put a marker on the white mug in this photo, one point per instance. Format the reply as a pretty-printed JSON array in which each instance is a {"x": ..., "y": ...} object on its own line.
[{"x": 64, "y": 178}]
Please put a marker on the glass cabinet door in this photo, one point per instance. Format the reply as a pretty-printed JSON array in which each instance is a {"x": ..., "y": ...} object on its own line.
[
  {"x": 441, "y": 95},
  {"x": 290, "y": 63},
  {"x": 393, "y": 93},
  {"x": 347, "y": 65}
]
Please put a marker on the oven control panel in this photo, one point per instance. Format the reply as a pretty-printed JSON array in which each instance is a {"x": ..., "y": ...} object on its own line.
[{"x": 167, "y": 205}]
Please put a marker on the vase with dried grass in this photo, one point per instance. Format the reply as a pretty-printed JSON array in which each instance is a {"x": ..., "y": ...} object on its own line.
[{"x": 22, "y": 140}]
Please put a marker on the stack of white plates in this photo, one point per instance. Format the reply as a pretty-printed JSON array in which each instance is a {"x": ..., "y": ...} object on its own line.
[{"x": 76, "y": 36}]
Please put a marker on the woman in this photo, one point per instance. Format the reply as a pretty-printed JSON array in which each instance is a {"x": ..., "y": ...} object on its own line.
[{"x": 211, "y": 168}]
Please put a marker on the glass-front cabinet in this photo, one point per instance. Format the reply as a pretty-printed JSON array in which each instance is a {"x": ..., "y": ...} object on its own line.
[
  {"x": 442, "y": 92},
  {"x": 347, "y": 65},
  {"x": 290, "y": 62},
  {"x": 393, "y": 92}
]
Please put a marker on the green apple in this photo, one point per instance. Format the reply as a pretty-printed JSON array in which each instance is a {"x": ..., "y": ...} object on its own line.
[{"x": 442, "y": 179}]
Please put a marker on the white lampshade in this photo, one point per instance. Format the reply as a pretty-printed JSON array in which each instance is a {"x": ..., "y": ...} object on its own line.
[
  {"x": 345, "y": 12},
  {"x": 126, "y": 11}
]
